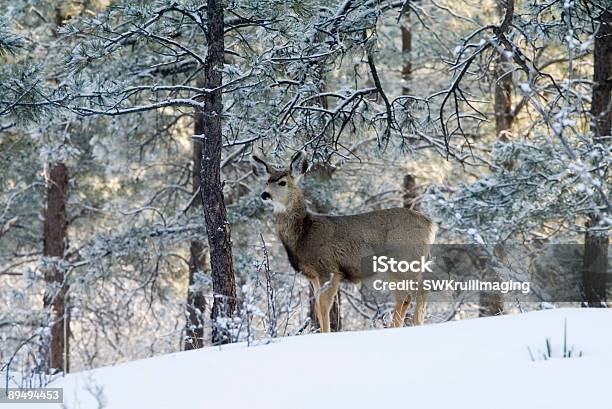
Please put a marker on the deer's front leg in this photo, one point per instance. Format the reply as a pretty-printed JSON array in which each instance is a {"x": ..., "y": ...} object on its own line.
[
  {"x": 316, "y": 290},
  {"x": 326, "y": 299}
]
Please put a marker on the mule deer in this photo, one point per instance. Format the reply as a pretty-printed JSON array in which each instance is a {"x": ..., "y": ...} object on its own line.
[{"x": 328, "y": 248}]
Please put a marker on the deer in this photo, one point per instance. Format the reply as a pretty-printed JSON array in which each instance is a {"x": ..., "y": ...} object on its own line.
[{"x": 329, "y": 249}]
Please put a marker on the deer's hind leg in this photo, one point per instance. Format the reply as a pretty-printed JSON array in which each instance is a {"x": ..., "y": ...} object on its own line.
[
  {"x": 402, "y": 303},
  {"x": 420, "y": 307}
]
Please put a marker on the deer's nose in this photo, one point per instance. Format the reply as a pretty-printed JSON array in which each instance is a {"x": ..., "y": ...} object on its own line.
[{"x": 266, "y": 196}]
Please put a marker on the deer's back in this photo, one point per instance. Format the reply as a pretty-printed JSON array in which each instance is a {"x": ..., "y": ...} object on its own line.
[{"x": 341, "y": 242}]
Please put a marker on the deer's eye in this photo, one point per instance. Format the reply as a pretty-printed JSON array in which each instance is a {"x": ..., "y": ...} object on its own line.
[{"x": 283, "y": 183}]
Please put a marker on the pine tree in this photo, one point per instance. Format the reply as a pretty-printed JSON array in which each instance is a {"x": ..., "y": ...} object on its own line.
[{"x": 596, "y": 243}]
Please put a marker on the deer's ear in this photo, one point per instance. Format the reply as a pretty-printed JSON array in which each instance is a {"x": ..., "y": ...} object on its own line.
[
  {"x": 299, "y": 164},
  {"x": 260, "y": 167}
]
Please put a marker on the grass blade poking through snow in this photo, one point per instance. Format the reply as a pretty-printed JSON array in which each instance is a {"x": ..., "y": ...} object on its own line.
[{"x": 548, "y": 352}]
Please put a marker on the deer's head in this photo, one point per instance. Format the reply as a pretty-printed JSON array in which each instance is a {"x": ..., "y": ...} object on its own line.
[{"x": 282, "y": 188}]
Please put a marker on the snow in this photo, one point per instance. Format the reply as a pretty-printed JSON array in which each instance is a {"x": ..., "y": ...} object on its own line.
[
  {"x": 526, "y": 88},
  {"x": 479, "y": 363}
]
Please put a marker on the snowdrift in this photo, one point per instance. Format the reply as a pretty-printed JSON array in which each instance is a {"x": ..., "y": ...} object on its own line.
[{"x": 479, "y": 363}]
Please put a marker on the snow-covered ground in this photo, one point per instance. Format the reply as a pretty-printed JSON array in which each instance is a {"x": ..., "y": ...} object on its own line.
[{"x": 479, "y": 363}]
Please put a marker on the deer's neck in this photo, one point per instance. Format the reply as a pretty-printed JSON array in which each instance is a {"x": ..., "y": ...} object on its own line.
[{"x": 291, "y": 223}]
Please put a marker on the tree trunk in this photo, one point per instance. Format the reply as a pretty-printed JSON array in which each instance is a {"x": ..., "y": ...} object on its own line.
[
  {"x": 595, "y": 258},
  {"x": 503, "y": 98},
  {"x": 411, "y": 192},
  {"x": 406, "y": 50},
  {"x": 410, "y": 187},
  {"x": 493, "y": 303},
  {"x": 217, "y": 228},
  {"x": 196, "y": 302},
  {"x": 409, "y": 183},
  {"x": 503, "y": 85},
  {"x": 54, "y": 245}
]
